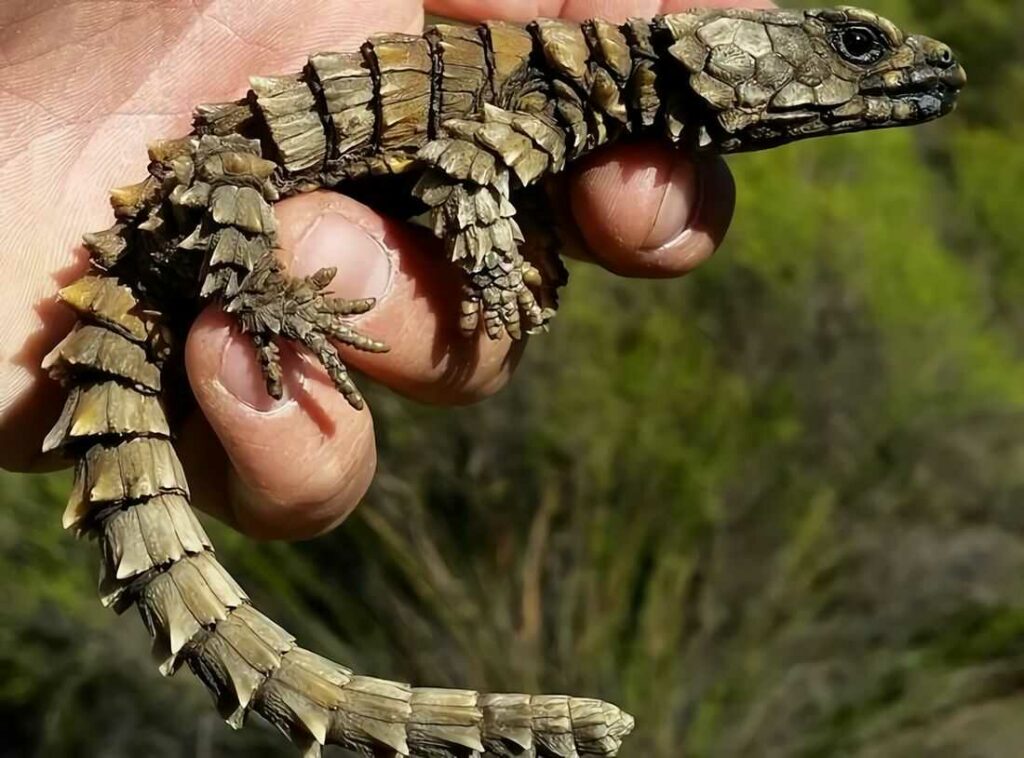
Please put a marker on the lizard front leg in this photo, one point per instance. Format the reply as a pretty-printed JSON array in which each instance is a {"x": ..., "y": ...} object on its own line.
[{"x": 467, "y": 189}]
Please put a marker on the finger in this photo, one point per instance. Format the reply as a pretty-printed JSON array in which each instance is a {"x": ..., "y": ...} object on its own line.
[
  {"x": 418, "y": 294},
  {"x": 299, "y": 465},
  {"x": 649, "y": 210},
  {"x": 612, "y": 10}
]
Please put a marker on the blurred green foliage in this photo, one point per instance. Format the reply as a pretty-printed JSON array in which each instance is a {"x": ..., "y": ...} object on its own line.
[{"x": 773, "y": 509}]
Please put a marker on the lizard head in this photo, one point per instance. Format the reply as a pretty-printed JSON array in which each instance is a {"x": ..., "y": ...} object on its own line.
[{"x": 770, "y": 77}]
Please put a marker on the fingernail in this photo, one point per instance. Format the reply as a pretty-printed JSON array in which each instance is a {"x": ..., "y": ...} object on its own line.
[
  {"x": 363, "y": 263},
  {"x": 241, "y": 376},
  {"x": 678, "y": 207}
]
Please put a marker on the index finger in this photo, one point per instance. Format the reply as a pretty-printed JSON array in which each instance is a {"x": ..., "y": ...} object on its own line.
[{"x": 576, "y": 10}]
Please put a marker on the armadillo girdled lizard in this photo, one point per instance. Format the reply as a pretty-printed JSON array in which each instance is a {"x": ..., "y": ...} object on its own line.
[{"x": 476, "y": 116}]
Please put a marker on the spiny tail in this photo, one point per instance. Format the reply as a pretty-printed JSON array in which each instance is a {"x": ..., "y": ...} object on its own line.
[{"x": 131, "y": 494}]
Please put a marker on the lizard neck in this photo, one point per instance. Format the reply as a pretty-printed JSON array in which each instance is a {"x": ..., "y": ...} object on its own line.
[
  {"x": 602, "y": 82},
  {"x": 681, "y": 115}
]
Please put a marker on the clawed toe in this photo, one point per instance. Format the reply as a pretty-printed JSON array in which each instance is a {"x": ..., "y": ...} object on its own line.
[
  {"x": 269, "y": 356},
  {"x": 300, "y": 310},
  {"x": 342, "y": 307},
  {"x": 327, "y": 354},
  {"x": 332, "y": 313},
  {"x": 513, "y": 312}
]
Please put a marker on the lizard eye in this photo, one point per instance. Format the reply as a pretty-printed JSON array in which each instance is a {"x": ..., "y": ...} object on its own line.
[{"x": 859, "y": 43}]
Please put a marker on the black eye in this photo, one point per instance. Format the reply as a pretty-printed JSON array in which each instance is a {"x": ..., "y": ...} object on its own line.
[{"x": 859, "y": 43}]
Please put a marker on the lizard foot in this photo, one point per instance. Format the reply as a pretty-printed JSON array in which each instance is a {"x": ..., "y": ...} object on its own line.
[
  {"x": 270, "y": 304},
  {"x": 501, "y": 292}
]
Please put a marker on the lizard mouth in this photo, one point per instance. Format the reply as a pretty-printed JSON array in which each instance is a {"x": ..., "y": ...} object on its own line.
[
  {"x": 926, "y": 105},
  {"x": 918, "y": 94}
]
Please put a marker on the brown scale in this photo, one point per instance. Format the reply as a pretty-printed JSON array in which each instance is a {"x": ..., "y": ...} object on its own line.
[
  {"x": 404, "y": 66},
  {"x": 349, "y": 93},
  {"x": 481, "y": 116},
  {"x": 509, "y": 49},
  {"x": 464, "y": 80}
]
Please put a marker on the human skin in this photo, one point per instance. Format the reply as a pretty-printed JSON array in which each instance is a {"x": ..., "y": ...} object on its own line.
[{"x": 85, "y": 85}]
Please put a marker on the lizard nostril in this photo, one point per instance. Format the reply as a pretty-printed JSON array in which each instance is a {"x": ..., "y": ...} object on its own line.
[{"x": 944, "y": 57}]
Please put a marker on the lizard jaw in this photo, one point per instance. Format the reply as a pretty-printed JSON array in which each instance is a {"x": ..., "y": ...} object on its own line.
[{"x": 917, "y": 94}]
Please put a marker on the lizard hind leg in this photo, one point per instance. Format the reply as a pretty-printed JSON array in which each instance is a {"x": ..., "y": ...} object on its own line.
[
  {"x": 271, "y": 305},
  {"x": 233, "y": 186}
]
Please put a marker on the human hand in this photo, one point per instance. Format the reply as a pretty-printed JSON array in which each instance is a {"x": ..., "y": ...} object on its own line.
[{"x": 87, "y": 85}]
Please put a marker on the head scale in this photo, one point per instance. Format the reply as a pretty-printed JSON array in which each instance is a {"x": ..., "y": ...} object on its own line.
[{"x": 769, "y": 77}]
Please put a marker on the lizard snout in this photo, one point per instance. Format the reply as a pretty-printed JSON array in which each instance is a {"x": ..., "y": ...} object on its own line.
[{"x": 941, "y": 58}]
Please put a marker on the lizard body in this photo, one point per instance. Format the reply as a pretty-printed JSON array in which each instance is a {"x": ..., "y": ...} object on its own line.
[{"x": 476, "y": 116}]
